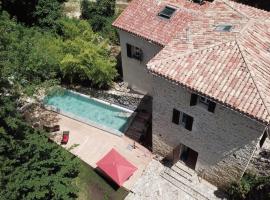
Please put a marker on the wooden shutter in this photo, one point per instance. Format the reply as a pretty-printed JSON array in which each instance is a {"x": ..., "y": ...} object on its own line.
[
  {"x": 176, "y": 116},
  {"x": 263, "y": 139},
  {"x": 128, "y": 50},
  {"x": 211, "y": 106},
  {"x": 189, "y": 123},
  {"x": 193, "y": 99},
  {"x": 141, "y": 55}
]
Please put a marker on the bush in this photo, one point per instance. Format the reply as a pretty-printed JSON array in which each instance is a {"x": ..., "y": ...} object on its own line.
[{"x": 248, "y": 184}]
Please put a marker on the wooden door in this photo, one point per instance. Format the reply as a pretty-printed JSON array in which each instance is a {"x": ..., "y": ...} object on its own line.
[{"x": 176, "y": 154}]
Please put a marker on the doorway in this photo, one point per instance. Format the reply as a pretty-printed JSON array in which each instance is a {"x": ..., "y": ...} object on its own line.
[{"x": 186, "y": 155}]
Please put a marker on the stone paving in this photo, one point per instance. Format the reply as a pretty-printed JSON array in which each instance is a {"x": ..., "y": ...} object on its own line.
[{"x": 151, "y": 186}]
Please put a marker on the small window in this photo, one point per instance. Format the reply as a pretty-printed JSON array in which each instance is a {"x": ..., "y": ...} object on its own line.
[
  {"x": 182, "y": 119},
  {"x": 223, "y": 28},
  {"x": 134, "y": 52},
  {"x": 209, "y": 105},
  {"x": 167, "y": 12},
  {"x": 204, "y": 101}
]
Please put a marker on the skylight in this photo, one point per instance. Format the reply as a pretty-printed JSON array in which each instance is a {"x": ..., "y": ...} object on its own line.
[
  {"x": 224, "y": 28},
  {"x": 167, "y": 12}
]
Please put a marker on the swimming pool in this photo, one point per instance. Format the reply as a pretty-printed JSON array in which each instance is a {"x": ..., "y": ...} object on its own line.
[{"x": 92, "y": 111}]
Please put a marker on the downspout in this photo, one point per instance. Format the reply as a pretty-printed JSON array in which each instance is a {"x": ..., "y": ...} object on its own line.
[{"x": 267, "y": 131}]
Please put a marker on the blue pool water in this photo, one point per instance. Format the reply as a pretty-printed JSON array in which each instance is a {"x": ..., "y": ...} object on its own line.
[{"x": 89, "y": 110}]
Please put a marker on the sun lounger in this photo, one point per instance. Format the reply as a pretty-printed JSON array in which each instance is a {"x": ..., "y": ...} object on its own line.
[{"x": 65, "y": 137}]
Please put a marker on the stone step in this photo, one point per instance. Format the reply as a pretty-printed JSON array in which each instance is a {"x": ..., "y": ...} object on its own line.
[
  {"x": 182, "y": 173},
  {"x": 205, "y": 189},
  {"x": 138, "y": 126},
  {"x": 185, "y": 168},
  {"x": 145, "y": 116},
  {"x": 134, "y": 134},
  {"x": 184, "y": 186}
]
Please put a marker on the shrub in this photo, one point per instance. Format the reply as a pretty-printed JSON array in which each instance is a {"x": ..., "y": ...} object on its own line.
[{"x": 248, "y": 184}]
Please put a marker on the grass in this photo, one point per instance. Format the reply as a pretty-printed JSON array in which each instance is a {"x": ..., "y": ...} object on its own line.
[{"x": 92, "y": 186}]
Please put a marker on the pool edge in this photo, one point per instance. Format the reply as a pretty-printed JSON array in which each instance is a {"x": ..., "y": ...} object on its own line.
[{"x": 90, "y": 122}]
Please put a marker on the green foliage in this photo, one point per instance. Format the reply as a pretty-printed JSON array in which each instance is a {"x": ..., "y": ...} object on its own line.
[
  {"x": 35, "y": 12},
  {"x": 37, "y": 59},
  {"x": 100, "y": 15},
  {"x": 28, "y": 56},
  {"x": 249, "y": 182},
  {"x": 31, "y": 167},
  {"x": 86, "y": 55},
  {"x": 48, "y": 12}
]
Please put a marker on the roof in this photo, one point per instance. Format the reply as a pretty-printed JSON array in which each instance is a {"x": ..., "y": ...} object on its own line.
[
  {"x": 116, "y": 167},
  {"x": 141, "y": 18},
  {"x": 231, "y": 68}
]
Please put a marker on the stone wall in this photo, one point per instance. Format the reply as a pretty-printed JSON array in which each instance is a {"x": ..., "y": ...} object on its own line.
[
  {"x": 224, "y": 140},
  {"x": 135, "y": 71}
]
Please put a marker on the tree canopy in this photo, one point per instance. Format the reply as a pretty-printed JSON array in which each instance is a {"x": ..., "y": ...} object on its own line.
[
  {"x": 40, "y": 50},
  {"x": 35, "y": 12},
  {"x": 100, "y": 15}
]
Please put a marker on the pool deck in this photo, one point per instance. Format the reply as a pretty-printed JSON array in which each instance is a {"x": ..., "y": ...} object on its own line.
[{"x": 91, "y": 144}]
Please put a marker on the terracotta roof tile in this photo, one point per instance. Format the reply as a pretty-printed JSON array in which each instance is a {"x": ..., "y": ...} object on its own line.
[
  {"x": 141, "y": 18},
  {"x": 231, "y": 68},
  {"x": 235, "y": 73}
]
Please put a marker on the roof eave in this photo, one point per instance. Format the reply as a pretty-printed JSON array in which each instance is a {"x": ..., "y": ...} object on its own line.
[{"x": 261, "y": 121}]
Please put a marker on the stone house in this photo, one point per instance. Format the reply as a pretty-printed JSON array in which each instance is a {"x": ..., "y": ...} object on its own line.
[{"x": 207, "y": 68}]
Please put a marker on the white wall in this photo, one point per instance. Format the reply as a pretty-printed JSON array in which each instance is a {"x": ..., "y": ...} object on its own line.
[
  {"x": 134, "y": 71},
  {"x": 224, "y": 139}
]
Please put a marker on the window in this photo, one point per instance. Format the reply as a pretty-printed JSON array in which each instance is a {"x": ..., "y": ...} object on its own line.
[
  {"x": 223, "y": 28},
  {"x": 195, "y": 99},
  {"x": 182, "y": 119},
  {"x": 167, "y": 12},
  {"x": 204, "y": 100},
  {"x": 134, "y": 52}
]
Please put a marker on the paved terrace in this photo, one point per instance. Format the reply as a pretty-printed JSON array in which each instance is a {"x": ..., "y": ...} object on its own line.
[{"x": 91, "y": 144}]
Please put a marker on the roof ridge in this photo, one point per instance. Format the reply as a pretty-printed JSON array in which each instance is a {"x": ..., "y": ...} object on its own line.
[
  {"x": 247, "y": 25},
  {"x": 189, "y": 52},
  {"x": 252, "y": 78},
  {"x": 228, "y": 4}
]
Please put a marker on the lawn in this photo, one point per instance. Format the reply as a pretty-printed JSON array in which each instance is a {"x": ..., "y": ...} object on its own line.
[{"x": 92, "y": 186}]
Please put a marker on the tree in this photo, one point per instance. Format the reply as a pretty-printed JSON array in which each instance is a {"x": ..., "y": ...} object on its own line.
[
  {"x": 28, "y": 56},
  {"x": 48, "y": 12},
  {"x": 35, "y": 12},
  {"x": 100, "y": 15},
  {"x": 31, "y": 167},
  {"x": 87, "y": 56}
]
